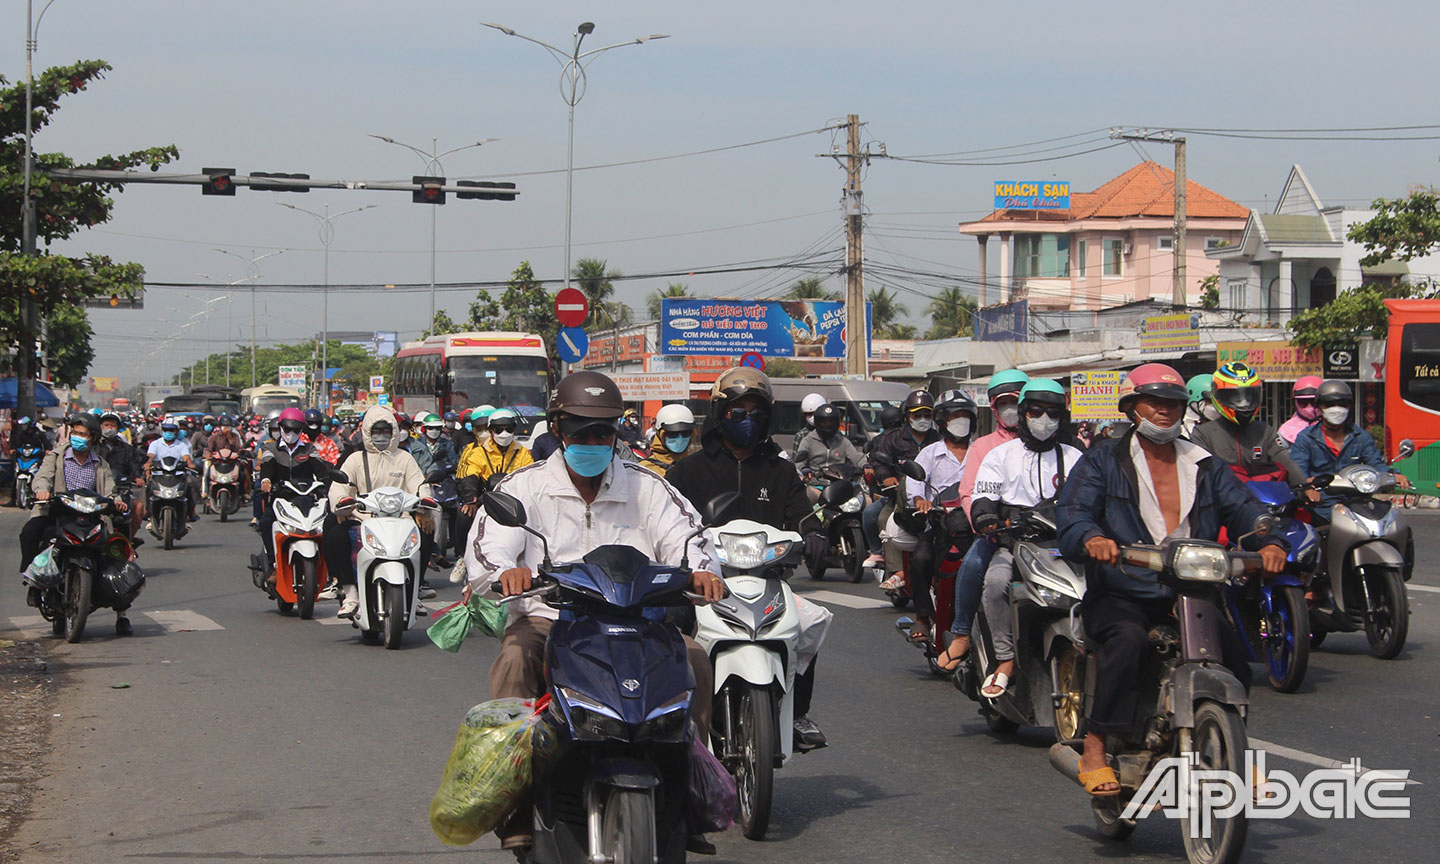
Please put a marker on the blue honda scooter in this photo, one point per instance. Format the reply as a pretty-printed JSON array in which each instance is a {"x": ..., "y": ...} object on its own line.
[
  {"x": 614, "y": 785},
  {"x": 1270, "y": 613}
]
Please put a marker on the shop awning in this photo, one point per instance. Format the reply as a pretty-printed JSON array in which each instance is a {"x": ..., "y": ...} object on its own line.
[{"x": 44, "y": 396}]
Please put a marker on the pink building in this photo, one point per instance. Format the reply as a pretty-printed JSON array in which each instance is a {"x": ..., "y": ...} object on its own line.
[{"x": 1114, "y": 245}]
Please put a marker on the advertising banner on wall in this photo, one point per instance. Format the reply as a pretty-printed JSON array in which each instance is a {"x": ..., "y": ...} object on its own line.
[
  {"x": 1170, "y": 333},
  {"x": 772, "y": 328},
  {"x": 602, "y": 349},
  {"x": 1372, "y": 359},
  {"x": 104, "y": 385},
  {"x": 1007, "y": 322},
  {"x": 647, "y": 386},
  {"x": 292, "y": 377},
  {"x": 1032, "y": 195},
  {"x": 1275, "y": 361},
  {"x": 1093, "y": 395}
]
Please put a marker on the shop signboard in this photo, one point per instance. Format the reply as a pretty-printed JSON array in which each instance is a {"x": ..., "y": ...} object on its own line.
[
  {"x": 1341, "y": 362},
  {"x": 652, "y": 386},
  {"x": 292, "y": 377},
  {"x": 1032, "y": 195},
  {"x": 1179, "y": 332},
  {"x": 771, "y": 328},
  {"x": 1005, "y": 322},
  {"x": 1372, "y": 359},
  {"x": 1274, "y": 361},
  {"x": 1093, "y": 395}
]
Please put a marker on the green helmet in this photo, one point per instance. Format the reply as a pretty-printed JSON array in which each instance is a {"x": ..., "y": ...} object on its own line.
[
  {"x": 1199, "y": 387},
  {"x": 1044, "y": 390},
  {"x": 481, "y": 413},
  {"x": 1007, "y": 381}
]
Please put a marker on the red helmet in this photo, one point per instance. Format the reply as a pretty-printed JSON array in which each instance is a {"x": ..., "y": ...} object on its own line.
[
  {"x": 1307, "y": 387},
  {"x": 1152, "y": 379}
]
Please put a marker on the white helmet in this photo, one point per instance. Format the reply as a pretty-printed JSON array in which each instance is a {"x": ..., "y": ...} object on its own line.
[
  {"x": 811, "y": 403},
  {"x": 675, "y": 418}
]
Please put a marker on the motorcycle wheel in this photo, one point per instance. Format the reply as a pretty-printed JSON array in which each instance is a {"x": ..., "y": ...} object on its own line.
[
  {"x": 395, "y": 615},
  {"x": 305, "y": 589},
  {"x": 24, "y": 497},
  {"x": 899, "y": 601},
  {"x": 855, "y": 555},
  {"x": 285, "y": 606},
  {"x": 1108, "y": 821},
  {"x": 1220, "y": 742},
  {"x": 1070, "y": 715},
  {"x": 816, "y": 566},
  {"x": 1000, "y": 724},
  {"x": 167, "y": 527},
  {"x": 222, "y": 503},
  {"x": 1287, "y": 643},
  {"x": 77, "y": 604},
  {"x": 1387, "y": 620},
  {"x": 628, "y": 827},
  {"x": 755, "y": 738}
]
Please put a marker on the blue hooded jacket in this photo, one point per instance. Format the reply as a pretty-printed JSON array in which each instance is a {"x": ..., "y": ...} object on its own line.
[{"x": 1101, "y": 499}]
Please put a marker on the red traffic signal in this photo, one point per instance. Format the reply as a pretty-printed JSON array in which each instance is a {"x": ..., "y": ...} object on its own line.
[
  {"x": 220, "y": 181},
  {"x": 431, "y": 190},
  {"x": 487, "y": 191}
]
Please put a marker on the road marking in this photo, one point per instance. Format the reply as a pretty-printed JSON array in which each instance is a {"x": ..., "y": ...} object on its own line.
[
  {"x": 1294, "y": 755},
  {"x": 1428, "y": 588},
  {"x": 852, "y": 601},
  {"x": 328, "y": 617},
  {"x": 181, "y": 620},
  {"x": 30, "y": 626}
]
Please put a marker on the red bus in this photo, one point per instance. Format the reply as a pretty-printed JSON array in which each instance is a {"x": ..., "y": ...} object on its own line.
[
  {"x": 1412, "y": 387},
  {"x": 466, "y": 370}
]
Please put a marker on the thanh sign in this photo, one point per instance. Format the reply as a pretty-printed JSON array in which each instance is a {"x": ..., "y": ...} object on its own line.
[
  {"x": 1032, "y": 195},
  {"x": 1094, "y": 395}
]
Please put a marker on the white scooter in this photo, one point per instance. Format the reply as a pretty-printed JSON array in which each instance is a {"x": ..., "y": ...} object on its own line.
[
  {"x": 753, "y": 638},
  {"x": 388, "y": 567}
]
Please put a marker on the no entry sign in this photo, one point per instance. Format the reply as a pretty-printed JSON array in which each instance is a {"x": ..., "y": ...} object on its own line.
[{"x": 571, "y": 307}]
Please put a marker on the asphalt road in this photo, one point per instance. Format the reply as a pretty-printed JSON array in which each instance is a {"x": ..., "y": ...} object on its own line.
[{"x": 245, "y": 735}]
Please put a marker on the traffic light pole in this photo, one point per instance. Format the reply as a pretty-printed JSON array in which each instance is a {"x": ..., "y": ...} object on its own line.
[{"x": 461, "y": 190}]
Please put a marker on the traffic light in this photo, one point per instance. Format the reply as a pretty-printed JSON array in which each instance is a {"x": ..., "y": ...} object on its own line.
[
  {"x": 219, "y": 182},
  {"x": 277, "y": 187},
  {"x": 430, "y": 191},
  {"x": 493, "y": 191}
]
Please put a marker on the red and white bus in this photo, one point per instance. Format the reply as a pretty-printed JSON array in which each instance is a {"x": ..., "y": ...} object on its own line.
[
  {"x": 1412, "y": 387},
  {"x": 465, "y": 370}
]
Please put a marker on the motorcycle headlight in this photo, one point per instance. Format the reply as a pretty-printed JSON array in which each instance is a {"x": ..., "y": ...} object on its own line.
[
  {"x": 592, "y": 721},
  {"x": 742, "y": 551},
  {"x": 84, "y": 505},
  {"x": 410, "y": 542},
  {"x": 854, "y": 505},
  {"x": 390, "y": 503},
  {"x": 1195, "y": 563},
  {"x": 666, "y": 724},
  {"x": 167, "y": 492},
  {"x": 372, "y": 542},
  {"x": 1366, "y": 481}
]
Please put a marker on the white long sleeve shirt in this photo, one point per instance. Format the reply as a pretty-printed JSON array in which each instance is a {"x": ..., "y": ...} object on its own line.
[
  {"x": 1018, "y": 476},
  {"x": 942, "y": 470}
]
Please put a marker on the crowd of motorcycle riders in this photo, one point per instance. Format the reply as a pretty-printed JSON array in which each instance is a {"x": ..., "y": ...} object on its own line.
[{"x": 1172, "y": 468}]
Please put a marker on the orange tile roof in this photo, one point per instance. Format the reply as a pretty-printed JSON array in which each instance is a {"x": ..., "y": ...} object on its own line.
[{"x": 1145, "y": 190}]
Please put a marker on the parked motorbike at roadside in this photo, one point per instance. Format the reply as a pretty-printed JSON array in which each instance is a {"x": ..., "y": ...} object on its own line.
[
  {"x": 86, "y": 567},
  {"x": 168, "y": 501},
  {"x": 1195, "y": 708},
  {"x": 224, "y": 482},
  {"x": 614, "y": 785},
  {"x": 388, "y": 566},
  {"x": 840, "y": 523}
]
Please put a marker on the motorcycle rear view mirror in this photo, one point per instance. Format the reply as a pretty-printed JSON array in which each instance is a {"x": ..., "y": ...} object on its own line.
[
  {"x": 1322, "y": 480},
  {"x": 436, "y": 476},
  {"x": 911, "y": 470},
  {"x": 507, "y": 510},
  {"x": 338, "y": 476},
  {"x": 718, "y": 509},
  {"x": 839, "y": 492},
  {"x": 1407, "y": 449}
]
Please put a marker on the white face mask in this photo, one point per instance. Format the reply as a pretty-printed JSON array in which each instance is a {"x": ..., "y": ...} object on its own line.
[
  {"x": 1008, "y": 415},
  {"x": 1335, "y": 415},
  {"x": 1209, "y": 411},
  {"x": 502, "y": 439},
  {"x": 1044, "y": 428},
  {"x": 1157, "y": 433},
  {"x": 432, "y": 434},
  {"x": 959, "y": 427},
  {"x": 404, "y": 434},
  {"x": 922, "y": 424},
  {"x": 290, "y": 438}
]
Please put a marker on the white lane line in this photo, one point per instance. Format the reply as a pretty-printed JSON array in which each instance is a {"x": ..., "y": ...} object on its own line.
[
  {"x": 851, "y": 601},
  {"x": 1427, "y": 588},
  {"x": 328, "y": 617},
  {"x": 180, "y": 620},
  {"x": 1302, "y": 756},
  {"x": 30, "y": 626}
]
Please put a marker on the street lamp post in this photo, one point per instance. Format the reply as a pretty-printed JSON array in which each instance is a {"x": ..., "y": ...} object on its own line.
[
  {"x": 206, "y": 312},
  {"x": 327, "y": 234},
  {"x": 433, "y": 168},
  {"x": 229, "y": 319},
  {"x": 573, "y": 84},
  {"x": 252, "y": 272}
]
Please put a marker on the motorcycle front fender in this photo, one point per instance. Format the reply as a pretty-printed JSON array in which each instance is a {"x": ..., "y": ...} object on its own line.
[
  {"x": 751, "y": 663},
  {"x": 1376, "y": 553},
  {"x": 394, "y": 572},
  {"x": 1192, "y": 682},
  {"x": 305, "y": 548}
]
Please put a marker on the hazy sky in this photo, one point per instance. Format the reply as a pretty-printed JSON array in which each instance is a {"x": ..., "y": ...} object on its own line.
[{"x": 281, "y": 85}]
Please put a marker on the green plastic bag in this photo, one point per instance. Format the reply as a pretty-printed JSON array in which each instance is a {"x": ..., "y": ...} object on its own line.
[
  {"x": 489, "y": 770},
  {"x": 451, "y": 628}
]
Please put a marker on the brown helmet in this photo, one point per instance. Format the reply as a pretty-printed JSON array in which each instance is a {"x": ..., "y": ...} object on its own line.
[
  {"x": 739, "y": 381},
  {"x": 588, "y": 394}
]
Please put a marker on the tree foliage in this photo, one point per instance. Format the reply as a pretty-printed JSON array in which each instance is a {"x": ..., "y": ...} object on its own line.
[
  {"x": 810, "y": 288},
  {"x": 953, "y": 313},
  {"x": 596, "y": 279},
  {"x": 784, "y": 367},
  {"x": 58, "y": 285},
  {"x": 675, "y": 290},
  {"x": 356, "y": 364},
  {"x": 1356, "y": 314},
  {"x": 524, "y": 306},
  {"x": 1210, "y": 292},
  {"x": 441, "y": 325},
  {"x": 1402, "y": 228},
  {"x": 885, "y": 310}
]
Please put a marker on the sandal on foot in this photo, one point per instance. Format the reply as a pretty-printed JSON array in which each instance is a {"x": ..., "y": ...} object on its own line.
[
  {"x": 1093, "y": 780},
  {"x": 954, "y": 660},
  {"x": 995, "y": 681}
]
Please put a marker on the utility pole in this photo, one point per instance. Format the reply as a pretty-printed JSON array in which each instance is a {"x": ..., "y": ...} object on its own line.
[
  {"x": 857, "y": 360},
  {"x": 1178, "y": 293}
]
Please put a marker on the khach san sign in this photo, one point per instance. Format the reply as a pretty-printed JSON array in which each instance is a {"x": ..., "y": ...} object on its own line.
[{"x": 1032, "y": 195}]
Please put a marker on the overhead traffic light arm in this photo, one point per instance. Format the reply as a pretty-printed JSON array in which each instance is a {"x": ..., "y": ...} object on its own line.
[{"x": 222, "y": 181}]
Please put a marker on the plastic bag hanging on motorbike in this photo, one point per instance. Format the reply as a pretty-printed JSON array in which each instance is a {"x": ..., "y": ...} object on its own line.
[
  {"x": 453, "y": 625},
  {"x": 711, "y": 805},
  {"x": 125, "y": 579},
  {"x": 44, "y": 570},
  {"x": 489, "y": 769}
]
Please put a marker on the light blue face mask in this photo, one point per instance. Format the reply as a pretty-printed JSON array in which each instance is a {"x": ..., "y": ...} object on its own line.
[
  {"x": 677, "y": 443},
  {"x": 589, "y": 460},
  {"x": 168, "y": 436},
  {"x": 209, "y": 428},
  {"x": 79, "y": 444}
]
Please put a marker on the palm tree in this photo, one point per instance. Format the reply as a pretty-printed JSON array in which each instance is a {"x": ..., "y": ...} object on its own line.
[
  {"x": 597, "y": 282},
  {"x": 883, "y": 312},
  {"x": 672, "y": 291},
  {"x": 902, "y": 331},
  {"x": 810, "y": 288},
  {"x": 953, "y": 313}
]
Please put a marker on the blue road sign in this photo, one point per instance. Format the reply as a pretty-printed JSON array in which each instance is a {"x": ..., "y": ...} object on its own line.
[{"x": 571, "y": 343}]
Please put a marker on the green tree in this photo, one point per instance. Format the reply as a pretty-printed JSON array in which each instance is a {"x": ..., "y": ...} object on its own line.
[
  {"x": 441, "y": 325},
  {"x": 1402, "y": 228},
  {"x": 884, "y": 310},
  {"x": 1356, "y": 314},
  {"x": 57, "y": 285},
  {"x": 67, "y": 337},
  {"x": 596, "y": 281},
  {"x": 810, "y": 288},
  {"x": 784, "y": 367},
  {"x": 524, "y": 306},
  {"x": 674, "y": 290},
  {"x": 1210, "y": 292},
  {"x": 953, "y": 313}
]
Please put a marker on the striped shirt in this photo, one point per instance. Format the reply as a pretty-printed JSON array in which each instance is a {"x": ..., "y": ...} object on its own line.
[{"x": 79, "y": 475}]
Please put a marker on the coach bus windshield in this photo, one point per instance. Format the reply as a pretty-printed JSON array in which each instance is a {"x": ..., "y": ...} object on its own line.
[{"x": 519, "y": 383}]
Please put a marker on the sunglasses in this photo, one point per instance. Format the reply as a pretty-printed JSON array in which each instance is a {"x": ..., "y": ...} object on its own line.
[
  {"x": 582, "y": 429},
  {"x": 739, "y": 415},
  {"x": 1038, "y": 411},
  {"x": 502, "y": 427}
]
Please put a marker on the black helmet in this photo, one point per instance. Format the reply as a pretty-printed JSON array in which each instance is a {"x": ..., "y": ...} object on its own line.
[
  {"x": 891, "y": 416},
  {"x": 588, "y": 394},
  {"x": 827, "y": 419},
  {"x": 919, "y": 400},
  {"x": 313, "y": 419},
  {"x": 956, "y": 402},
  {"x": 740, "y": 381},
  {"x": 1334, "y": 392},
  {"x": 89, "y": 421}
]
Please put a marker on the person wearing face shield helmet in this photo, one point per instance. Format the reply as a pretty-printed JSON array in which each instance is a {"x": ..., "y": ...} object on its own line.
[
  {"x": 737, "y": 455},
  {"x": 1145, "y": 487},
  {"x": 1018, "y": 475},
  {"x": 1336, "y": 442},
  {"x": 434, "y": 452},
  {"x": 1307, "y": 413},
  {"x": 674, "y": 431},
  {"x": 315, "y": 436},
  {"x": 1250, "y": 446},
  {"x": 808, "y": 406},
  {"x": 290, "y": 460},
  {"x": 916, "y": 431}
]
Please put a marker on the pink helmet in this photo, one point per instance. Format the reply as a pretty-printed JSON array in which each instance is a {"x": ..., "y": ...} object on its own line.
[
  {"x": 1307, "y": 387},
  {"x": 290, "y": 415}
]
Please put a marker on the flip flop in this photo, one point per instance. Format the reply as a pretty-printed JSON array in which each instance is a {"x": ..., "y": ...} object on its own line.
[
  {"x": 995, "y": 679},
  {"x": 954, "y": 661},
  {"x": 1093, "y": 780},
  {"x": 919, "y": 633}
]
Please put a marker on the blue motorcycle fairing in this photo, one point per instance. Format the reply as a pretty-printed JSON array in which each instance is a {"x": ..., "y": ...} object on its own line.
[
  {"x": 632, "y": 666},
  {"x": 1272, "y": 493},
  {"x": 622, "y": 576}
]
